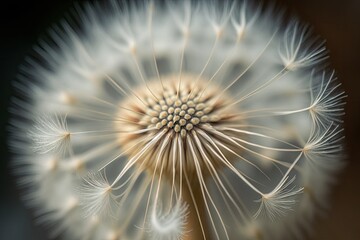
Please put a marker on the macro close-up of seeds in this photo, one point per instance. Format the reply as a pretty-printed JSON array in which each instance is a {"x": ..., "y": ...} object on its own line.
[{"x": 177, "y": 120}]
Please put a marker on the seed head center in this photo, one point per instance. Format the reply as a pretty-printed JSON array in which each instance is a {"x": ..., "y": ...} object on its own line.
[
  {"x": 179, "y": 113},
  {"x": 168, "y": 118},
  {"x": 179, "y": 107}
]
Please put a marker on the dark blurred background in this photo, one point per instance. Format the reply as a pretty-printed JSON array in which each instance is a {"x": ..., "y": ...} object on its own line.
[{"x": 22, "y": 23}]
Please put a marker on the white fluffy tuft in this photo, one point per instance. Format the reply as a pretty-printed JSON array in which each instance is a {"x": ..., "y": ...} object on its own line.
[
  {"x": 50, "y": 134},
  {"x": 324, "y": 142},
  {"x": 169, "y": 225},
  {"x": 298, "y": 51},
  {"x": 327, "y": 103},
  {"x": 279, "y": 201},
  {"x": 97, "y": 197}
]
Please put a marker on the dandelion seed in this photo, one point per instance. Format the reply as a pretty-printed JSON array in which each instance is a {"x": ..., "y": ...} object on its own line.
[
  {"x": 182, "y": 124},
  {"x": 169, "y": 225},
  {"x": 294, "y": 55},
  {"x": 97, "y": 196},
  {"x": 326, "y": 142},
  {"x": 50, "y": 134},
  {"x": 326, "y": 101},
  {"x": 280, "y": 201}
]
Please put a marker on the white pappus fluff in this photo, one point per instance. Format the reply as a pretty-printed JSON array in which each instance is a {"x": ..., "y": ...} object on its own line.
[
  {"x": 168, "y": 225},
  {"x": 97, "y": 196},
  {"x": 178, "y": 120},
  {"x": 50, "y": 134}
]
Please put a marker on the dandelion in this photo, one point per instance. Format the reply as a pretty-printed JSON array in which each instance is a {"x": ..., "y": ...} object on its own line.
[{"x": 189, "y": 120}]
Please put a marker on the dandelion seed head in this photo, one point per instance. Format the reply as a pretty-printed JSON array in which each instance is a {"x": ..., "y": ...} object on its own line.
[
  {"x": 178, "y": 120},
  {"x": 178, "y": 111}
]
